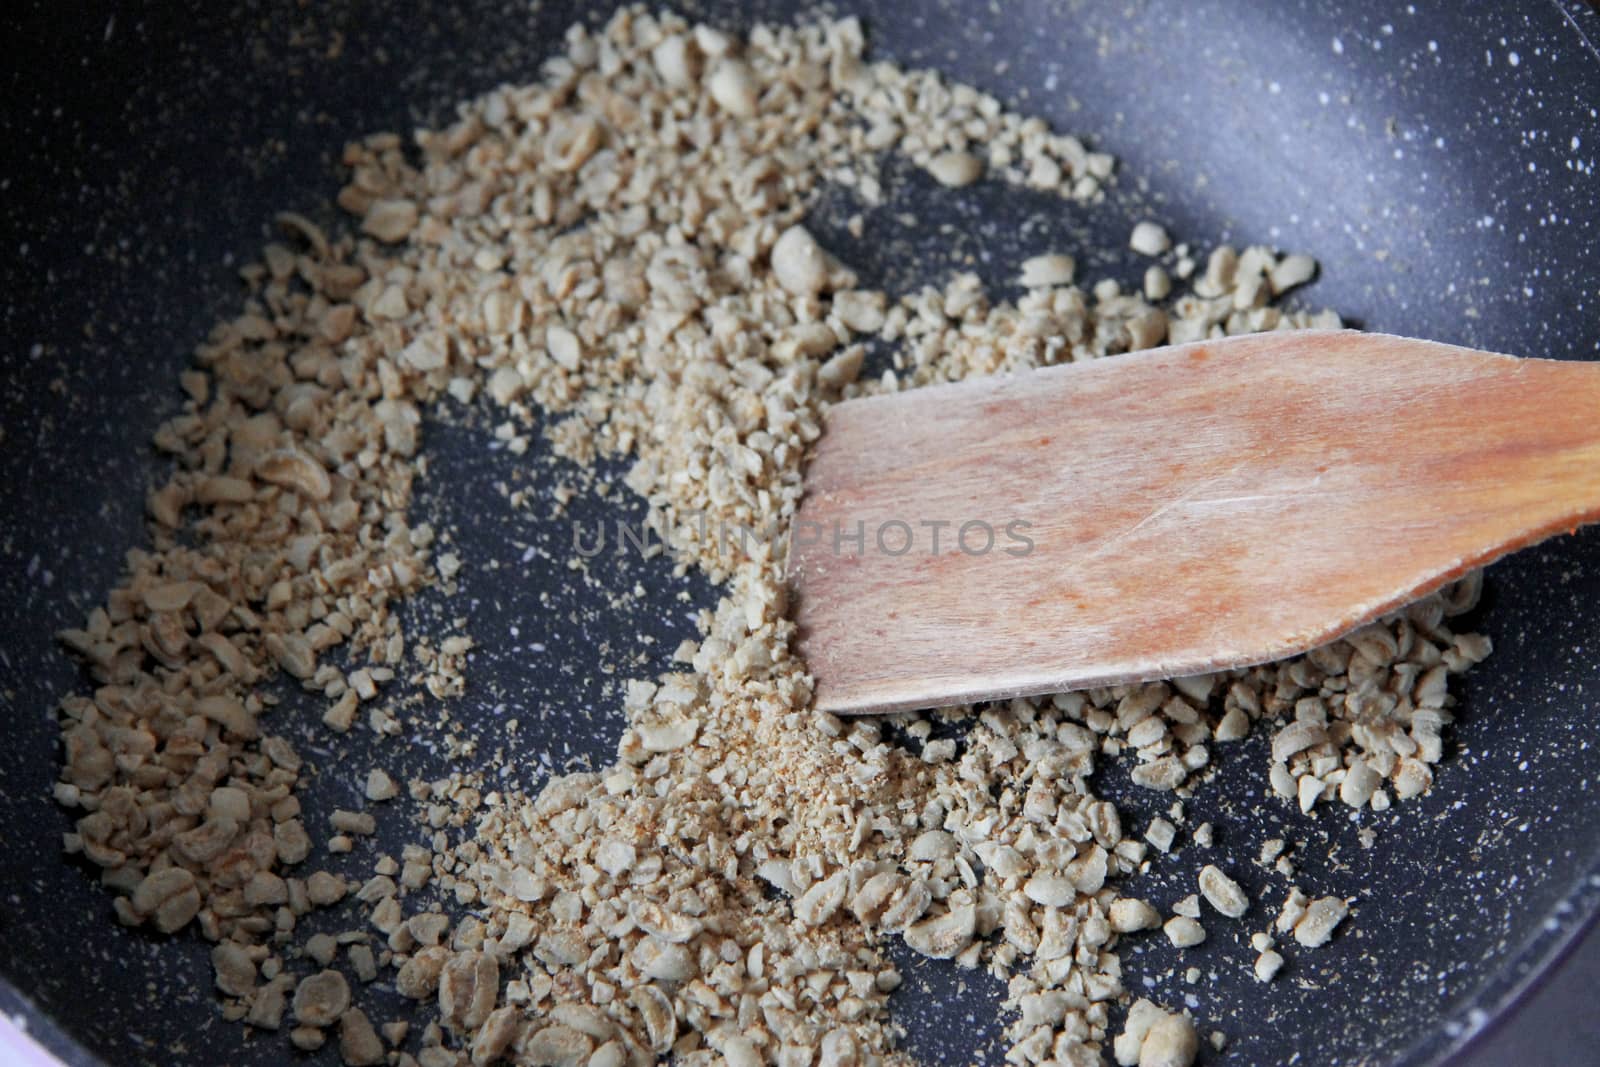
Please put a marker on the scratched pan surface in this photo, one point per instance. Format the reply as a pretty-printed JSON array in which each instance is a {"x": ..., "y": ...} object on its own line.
[{"x": 1438, "y": 157}]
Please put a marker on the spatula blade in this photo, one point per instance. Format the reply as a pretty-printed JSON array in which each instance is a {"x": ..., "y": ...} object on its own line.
[{"x": 1170, "y": 512}]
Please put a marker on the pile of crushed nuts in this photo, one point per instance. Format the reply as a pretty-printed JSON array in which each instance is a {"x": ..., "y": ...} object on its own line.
[{"x": 619, "y": 250}]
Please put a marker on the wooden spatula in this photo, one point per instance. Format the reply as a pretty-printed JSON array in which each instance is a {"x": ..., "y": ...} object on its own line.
[{"x": 1170, "y": 512}]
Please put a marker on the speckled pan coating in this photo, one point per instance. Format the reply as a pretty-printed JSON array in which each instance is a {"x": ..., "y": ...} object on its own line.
[{"x": 1439, "y": 158}]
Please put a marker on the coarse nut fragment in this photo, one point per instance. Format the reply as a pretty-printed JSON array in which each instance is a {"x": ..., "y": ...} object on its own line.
[
  {"x": 1047, "y": 270},
  {"x": 663, "y": 923},
  {"x": 268, "y": 1003},
  {"x": 418, "y": 977},
  {"x": 290, "y": 468},
  {"x": 1088, "y": 870},
  {"x": 359, "y": 1043},
  {"x": 740, "y": 1052},
  {"x": 1128, "y": 914},
  {"x": 518, "y": 934},
  {"x": 799, "y": 263},
  {"x": 1147, "y": 732},
  {"x": 571, "y": 142},
  {"x": 1147, "y": 329},
  {"x": 293, "y": 653},
  {"x": 667, "y": 735},
  {"x": 563, "y": 347},
  {"x": 860, "y": 310},
  {"x": 1170, "y": 1042},
  {"x": 429, "y": 351},
  {"x": 307, "y": 1038},
  {"x": 325, "y": 889},
  {"x": 341, "y": 716},
  {"x": 556, "y": 1045},
  {"x": 1157, "y": 285},
  {"x": 1162, "y": 775},
  {"x": 221, "y": 489},
  {"x": 203, "y": 844},
  {"x": 842, "y": 369},
  {"x": 229, "y": 712},
  {"x": 907, "y": 907},
  {"x": 734, "y": 87},
  {"x": 168, "y": 897},
  {"x": 364, "y": 962},
  {"x": 1293, "y": 909},
  {"x": 585, "y": 1019},
  {"x": 390, "y": 221},
  {"x": 321, "y": 948},
  {"x": 1297, "y": 737},
  {"x": 1184, "y": 931},
  {"x": 468, "y": 985},
  {"x": 676, "y": 59},
  {"x": 1282, "y": 782},
  {"x": 1322, "y": 915},
  {"x": 811, "y": 339},
  {"x": 428, "y": 927},
  {"x": 564, "y": 947},
  {"x": 265, "y": 888},
  {"x": 819, "y": 903},
  {"x": 228, "y": 655},
  {"x": 229, "y": 802},
  {"x": 1233, "y": 726},
  {"x": 1149, "y": 239},
  {"x": 1291, "y": 271},
  {"x": 944, "y": 936},
  {"x": 500, "y": 309},
  {"x": 235, "y": 971},
  {"x": 1268, "y": 964},
  {"x": 1412, "y": 778},
  {"x": 1221, "y": 271},
  {"x": 390, "y": 304},
  {"x": 353, "y": 822},
  {"x": 665, "y": 960},
  {"x": 1161, "y": 834},
  {"x": 380, "y": 787},
  {"x": 498, "y": 1031},
  {"x": 1309, "y": 789},
  {"x": 1050, "y": 889},
  {"x": 615, "y": 857},
  {"x": 169, "y": 596},
  {"x": 1142, "y": 1015},
  {"x": 321, "y": 998},
  {"x": 655, "y": 1010},
  {"x": 1222, "y": 892},
  {"x": 955, "y": 169},
  {"x": 506, "y": 384},
  {"x": 884, "y": 897},
  {"x": 1003, "y": 860},
  {"x": 1044, "y": 172}
]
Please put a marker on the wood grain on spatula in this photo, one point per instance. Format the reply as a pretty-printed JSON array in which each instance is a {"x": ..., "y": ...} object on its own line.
[{"x": 1192, "y": 508}]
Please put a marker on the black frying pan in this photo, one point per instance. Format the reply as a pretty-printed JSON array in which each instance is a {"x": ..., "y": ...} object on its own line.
[{"x": 1448, "y": 190}]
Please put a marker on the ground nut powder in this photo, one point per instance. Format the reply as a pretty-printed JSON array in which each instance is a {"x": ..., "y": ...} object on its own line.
[{"x": 616, "y": 256}]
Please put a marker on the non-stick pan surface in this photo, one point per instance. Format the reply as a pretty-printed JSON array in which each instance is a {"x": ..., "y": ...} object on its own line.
[{"x": 1438, "y": 157}]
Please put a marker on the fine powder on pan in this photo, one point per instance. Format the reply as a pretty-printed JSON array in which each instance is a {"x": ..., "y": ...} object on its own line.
[{"x": 617, "y": 255}]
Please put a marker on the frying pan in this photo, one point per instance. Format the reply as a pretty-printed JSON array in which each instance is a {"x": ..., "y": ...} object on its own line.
[{"x": 1438, "y": 157}]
